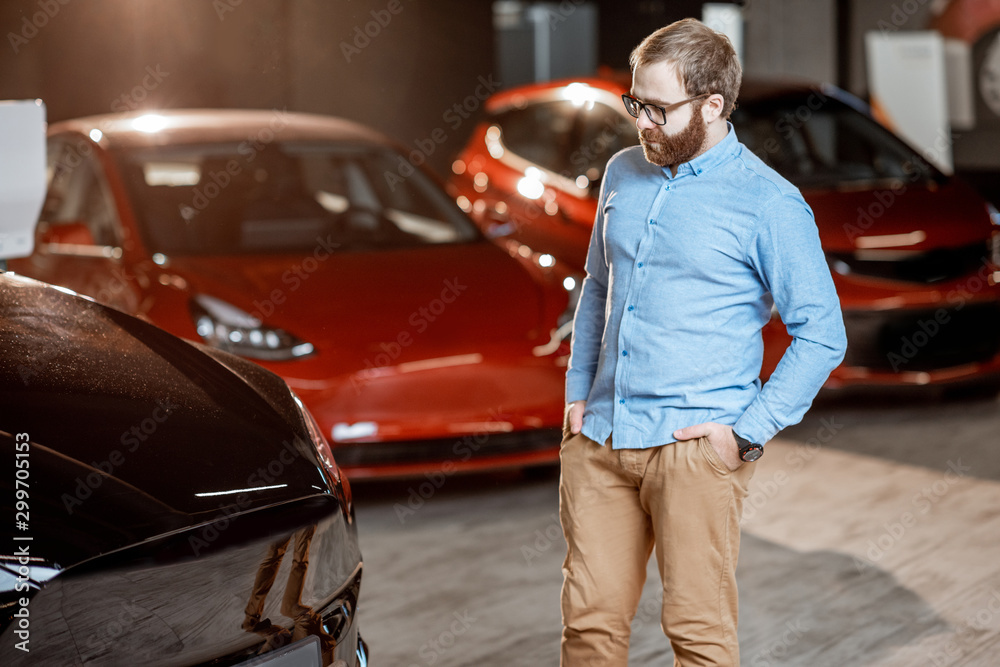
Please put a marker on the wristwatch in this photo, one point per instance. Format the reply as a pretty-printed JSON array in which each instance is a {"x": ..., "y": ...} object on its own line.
[{"x": 749, "y": 451}]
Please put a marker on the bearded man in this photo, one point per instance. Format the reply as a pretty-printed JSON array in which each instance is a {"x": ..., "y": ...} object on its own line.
[{"x": 694, "y": 241}]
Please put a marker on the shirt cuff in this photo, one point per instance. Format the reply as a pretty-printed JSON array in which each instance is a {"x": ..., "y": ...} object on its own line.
[
  {"x": 578, "y": 389},
  {"x": 754, "y": 427}
]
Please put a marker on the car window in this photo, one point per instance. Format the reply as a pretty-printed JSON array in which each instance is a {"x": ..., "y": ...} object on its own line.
[
  {"x": 287, "y": 197},
  {"x": 826, "y": 146},
  {"x": 77, "y": 191},
  {"x": 541, "y": 133},
  {"x": 603, "y": 132}
]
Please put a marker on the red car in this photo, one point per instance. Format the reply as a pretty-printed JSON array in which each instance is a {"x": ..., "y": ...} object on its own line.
[
  {"x": 915, "y": 254},
  {"x": 309, "y": 245}
]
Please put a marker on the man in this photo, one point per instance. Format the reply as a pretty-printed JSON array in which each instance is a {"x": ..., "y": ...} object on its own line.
[{"x": 693, "y": 241}]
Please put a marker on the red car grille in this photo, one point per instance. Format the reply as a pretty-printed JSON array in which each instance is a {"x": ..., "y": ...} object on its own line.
[
  {"x": 922, "y": 340},
  {"x": 459, "y": 448}
]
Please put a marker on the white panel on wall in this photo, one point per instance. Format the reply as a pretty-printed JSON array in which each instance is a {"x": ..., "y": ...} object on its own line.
[
  {"x": 728, "y": 19},
  {"x": 906, "y": 76},
  {"x": 22, "y": 175}
]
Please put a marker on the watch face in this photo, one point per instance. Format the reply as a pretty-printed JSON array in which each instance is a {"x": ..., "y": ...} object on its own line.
[{"x": 752, "y": 454}]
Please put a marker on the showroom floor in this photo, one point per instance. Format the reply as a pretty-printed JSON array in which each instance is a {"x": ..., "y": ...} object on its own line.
[{"x": 870, "y": 538}]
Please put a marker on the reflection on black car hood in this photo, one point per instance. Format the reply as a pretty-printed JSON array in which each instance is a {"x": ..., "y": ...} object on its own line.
[{"x": 136, "y": 433}]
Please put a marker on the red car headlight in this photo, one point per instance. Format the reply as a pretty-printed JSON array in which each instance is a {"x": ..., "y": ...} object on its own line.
[{"x": 223, "y": 325}]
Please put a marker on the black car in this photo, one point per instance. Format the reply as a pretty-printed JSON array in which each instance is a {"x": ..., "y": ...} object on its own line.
[{"x": 164, "y": 503}]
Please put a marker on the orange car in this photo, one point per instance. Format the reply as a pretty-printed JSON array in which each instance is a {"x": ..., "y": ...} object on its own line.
[
  {"x": 294, "y": 241},
  {"x": 915, "y": 254}
]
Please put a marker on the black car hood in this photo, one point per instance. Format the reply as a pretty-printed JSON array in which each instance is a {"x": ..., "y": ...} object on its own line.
[{"x": 135, "y": 434}]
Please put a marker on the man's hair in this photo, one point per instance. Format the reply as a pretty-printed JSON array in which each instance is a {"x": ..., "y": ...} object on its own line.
[{"x": 706, "y": 60}]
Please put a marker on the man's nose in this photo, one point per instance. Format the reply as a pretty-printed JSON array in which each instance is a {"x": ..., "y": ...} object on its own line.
[{"x": 643, "y": 122}]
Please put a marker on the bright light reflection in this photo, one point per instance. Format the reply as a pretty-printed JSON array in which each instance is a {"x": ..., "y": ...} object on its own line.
[
  {"x": 65, "y": 290},
  {"x": 891, "y": 240},
  {"x": 579, "y": 93},
  {"x": 151, "y": 122},
  {"x": 229, "y": 493},
  {"x": 96, "y": 134},
  {"x": 530, "y": 186}
]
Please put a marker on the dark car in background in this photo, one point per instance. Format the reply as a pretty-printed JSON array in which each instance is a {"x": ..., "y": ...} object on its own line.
[
  {"x": 164, "y": 503},
  {"x": 309, "y": 245},
  {"x": 914, "y": 253}
]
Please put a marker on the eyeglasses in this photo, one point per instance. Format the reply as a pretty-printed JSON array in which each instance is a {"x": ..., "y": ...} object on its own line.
[{"x": 654, "y": 112}]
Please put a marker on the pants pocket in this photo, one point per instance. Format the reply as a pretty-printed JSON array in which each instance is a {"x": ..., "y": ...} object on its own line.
[
  {"x": 712, "y": 456},
  {"x": 565, "y": 424}
]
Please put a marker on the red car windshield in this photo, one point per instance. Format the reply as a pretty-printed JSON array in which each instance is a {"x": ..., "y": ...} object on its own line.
[
  {"x": 815, "y": 141},
  {"x": 827, "y": 145},
  {"x": 227, "y": 199}
]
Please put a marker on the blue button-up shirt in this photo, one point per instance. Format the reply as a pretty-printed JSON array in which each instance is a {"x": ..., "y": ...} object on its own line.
[{"x": 681, "y": 275}]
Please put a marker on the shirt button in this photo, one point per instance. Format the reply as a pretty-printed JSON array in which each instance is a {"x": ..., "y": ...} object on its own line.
[
  {"x": 640, "y": 265},
  {"x": 622, "y": 401},
  {"x": 631, "y": 308},
  {"x": 624, "y": 353},
  {"x": 652, "y": 222}
]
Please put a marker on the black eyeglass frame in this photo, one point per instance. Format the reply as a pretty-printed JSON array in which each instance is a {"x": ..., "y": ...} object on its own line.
[{"x": 644, "y": 106}]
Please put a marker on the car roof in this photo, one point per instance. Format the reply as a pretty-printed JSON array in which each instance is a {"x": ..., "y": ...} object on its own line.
[
  {"x": 192, "y": 126},
  {"x": 752, "y": 90}
]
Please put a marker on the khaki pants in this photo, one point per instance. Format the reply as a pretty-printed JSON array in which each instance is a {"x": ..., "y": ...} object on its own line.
[{"x": 616, "y": 506}]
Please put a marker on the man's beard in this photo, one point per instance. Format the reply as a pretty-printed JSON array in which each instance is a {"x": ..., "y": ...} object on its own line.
[{"x": 674, "y": 149}]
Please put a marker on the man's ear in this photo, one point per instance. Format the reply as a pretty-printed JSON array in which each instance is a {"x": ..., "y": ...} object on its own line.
[{"x": 712, "y": 108}]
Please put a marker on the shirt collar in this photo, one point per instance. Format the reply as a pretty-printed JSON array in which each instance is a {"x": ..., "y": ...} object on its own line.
[{"x": 715, "y": 155}]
